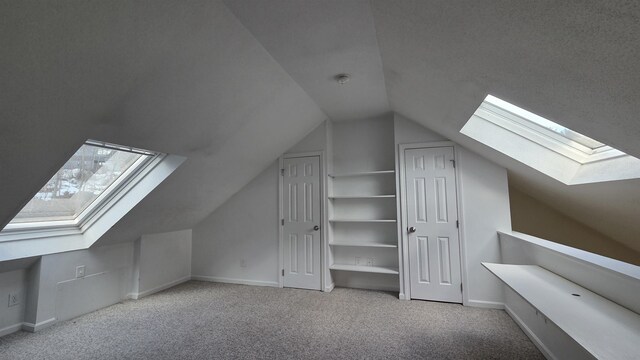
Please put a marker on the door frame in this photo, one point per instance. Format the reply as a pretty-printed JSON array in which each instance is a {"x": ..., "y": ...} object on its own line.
[
  {"x": 323, "y": 217},
  {"x": 403, "y": 224}
]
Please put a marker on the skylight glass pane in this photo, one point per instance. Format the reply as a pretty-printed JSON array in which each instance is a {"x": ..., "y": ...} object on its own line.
[
  {"x": 546, "y": 124},
  {"x": 90, "y": 172}
]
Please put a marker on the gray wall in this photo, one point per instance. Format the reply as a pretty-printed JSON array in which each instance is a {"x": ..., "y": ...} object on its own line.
[
  {"x": 239, "y": 241},
  {"x": 161, "y": 261}
]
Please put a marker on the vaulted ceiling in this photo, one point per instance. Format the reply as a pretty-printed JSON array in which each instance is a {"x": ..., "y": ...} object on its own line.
[{"x": 233, "y": 84}]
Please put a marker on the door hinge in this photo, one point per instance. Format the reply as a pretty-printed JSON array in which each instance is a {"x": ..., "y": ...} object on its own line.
[
  {"x": 282, "y": 222},
  {"x": 460, "y": 287},
  {"x": 282, "y": 272},
  {"x": 282, "y": 172},
  {"x": 458, "y": 224},
  {"x": 454, "y": 163}
]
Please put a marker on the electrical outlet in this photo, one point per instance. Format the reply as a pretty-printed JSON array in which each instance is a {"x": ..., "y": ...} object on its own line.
[
  {"x": 357, "y": 260},
  {"x": 369, "y": 261},
  {"x": 80, "y": 271},
  {"x": 243, "y": 263},
  {"x": 14, "y": 299}
]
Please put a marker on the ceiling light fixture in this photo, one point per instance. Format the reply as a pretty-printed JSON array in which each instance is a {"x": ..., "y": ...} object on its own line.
[{"x": 343, "y": 78}]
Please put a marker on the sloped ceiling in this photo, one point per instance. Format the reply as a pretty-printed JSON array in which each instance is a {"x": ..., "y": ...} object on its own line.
[
  {"x": 575, "y": 62},
  {"x": 178, "y": 77},
  {"x": 232, "y": 85},
  {"x": 316, "y": 40}
]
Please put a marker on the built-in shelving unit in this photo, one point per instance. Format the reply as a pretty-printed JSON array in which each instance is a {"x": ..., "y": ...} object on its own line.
[{"x": 363, "y": 222}]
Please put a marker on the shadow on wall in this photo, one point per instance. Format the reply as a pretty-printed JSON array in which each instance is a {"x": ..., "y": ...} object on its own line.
[{"x": 532, "y": 217}]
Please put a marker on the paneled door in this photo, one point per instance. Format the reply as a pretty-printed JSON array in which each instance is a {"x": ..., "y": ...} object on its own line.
[
  {"x": 432, "y": 224},
  {"x": 301, "y": 229}
]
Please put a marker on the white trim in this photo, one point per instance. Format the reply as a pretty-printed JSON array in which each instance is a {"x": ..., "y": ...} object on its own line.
[
  {"x": 403, "y": 292},
  {"x": 235, "y": 281},
  {"x": 140, "y": 295},
  {"x": 485, "y": 304},
  {"x": 280, "y": 227},
  {"x": 461, "y": 233},
  {"x": 324, "y": 221},
  {"x": 20, "y": 244},
  {"x": 404, "y": 241},
  {"x": 31, "y": 327},
  {"x": 130, "y": 175},
  {"x": 11, "y": 329},
  {"x": 330, "y": 287},
  {"x": 530, "y": 334}
]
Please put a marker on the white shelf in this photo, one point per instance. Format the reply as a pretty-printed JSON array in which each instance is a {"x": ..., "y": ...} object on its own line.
[
  {"x": 362, "y": 197},
  {"x": 363, "y": 220},
  {"x": 363, "y": 173},
  {"x": 366, "y": 269},
  {"x": 605, "y": 329},
  {"x": 364, "y": 244}
]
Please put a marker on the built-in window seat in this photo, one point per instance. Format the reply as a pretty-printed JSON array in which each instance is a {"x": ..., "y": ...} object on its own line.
[{"x": 576, "y": 304}]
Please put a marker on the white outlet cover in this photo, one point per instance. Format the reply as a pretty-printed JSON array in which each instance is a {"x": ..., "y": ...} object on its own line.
[
  {"x": 80, "y": 271},
  {"x": 14, "y": 299}
]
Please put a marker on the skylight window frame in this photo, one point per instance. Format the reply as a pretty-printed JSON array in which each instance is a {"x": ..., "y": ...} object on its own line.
[
  {"x": 536, "y": 122},
  {"x": 98, "y": 205},
  {"x": 516, "y": 123}
]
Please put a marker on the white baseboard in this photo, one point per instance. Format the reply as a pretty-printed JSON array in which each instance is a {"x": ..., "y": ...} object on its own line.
[
  {"x": 10, "y": 329},
  {"x": 330, "y": 287},
  {"x": 31, "y": 327},
  {"x": 140, "y": 295},
  {"x": 534, "y": 339},
  {"x": 485, "y": 304},
  {"x": 235, "y": 281}
]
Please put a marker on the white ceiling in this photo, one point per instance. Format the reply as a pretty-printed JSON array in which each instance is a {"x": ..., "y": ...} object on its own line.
[
  {"x": 316, "y": 40},
  {"x": 232, "y": 85}
]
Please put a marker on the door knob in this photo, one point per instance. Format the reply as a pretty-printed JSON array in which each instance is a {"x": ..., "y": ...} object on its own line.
[
  {"x": 316, "y": 228},
  {"x": 412, "y": 229}
]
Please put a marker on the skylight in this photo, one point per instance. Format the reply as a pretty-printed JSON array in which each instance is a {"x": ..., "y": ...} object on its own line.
[
  {"x": 87, "y": 178},
  {"x": 547, "y": 146},
  {"x": 99, "y": 185},
  {"x": 538, "y": 123}
]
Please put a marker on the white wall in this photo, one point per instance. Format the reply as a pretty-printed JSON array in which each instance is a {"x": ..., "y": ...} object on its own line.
[
  {"x": 161, "y": 261},
  {"x": 238, "y": 242},
  {"x": 483, "y": 209},
  {"x": 51, "y": 292},
  {"x": 62, "y": 296},
  {"x": 363, "y": 145},
  {"x": 11, "y": 318}
]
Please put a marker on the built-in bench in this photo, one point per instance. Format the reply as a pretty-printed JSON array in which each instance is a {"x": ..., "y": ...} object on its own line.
[{"x": 603, "y": 328}]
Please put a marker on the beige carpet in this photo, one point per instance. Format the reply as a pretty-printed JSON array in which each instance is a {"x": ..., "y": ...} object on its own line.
[{"x": 200, "y": 320}]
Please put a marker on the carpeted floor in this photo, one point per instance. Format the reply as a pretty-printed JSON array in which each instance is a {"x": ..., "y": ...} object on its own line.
[{"x": 200, "y": 320}]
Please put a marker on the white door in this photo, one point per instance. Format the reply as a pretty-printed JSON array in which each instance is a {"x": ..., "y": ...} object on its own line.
[
  {"x": 301, "y": 233},
  {"x": 432, "y": 230}
]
